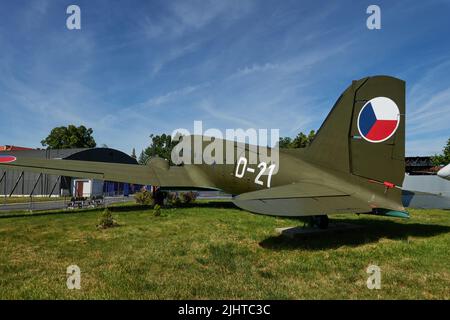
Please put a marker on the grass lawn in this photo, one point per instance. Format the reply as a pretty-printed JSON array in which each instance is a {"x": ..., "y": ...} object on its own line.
[
  {"x": 27, "y": 199},
  {"x": 214, "y": 250}
]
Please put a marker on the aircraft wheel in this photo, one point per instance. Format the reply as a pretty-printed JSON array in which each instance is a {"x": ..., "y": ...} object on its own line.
[
  {"x": 323, "y": 222},
  {"x": 159, "y": 197},
  {"x": 320, "y": 222}
]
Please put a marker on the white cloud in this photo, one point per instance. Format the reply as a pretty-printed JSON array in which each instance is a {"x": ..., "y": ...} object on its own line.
[
  {"x": 172, "y": 95},
  {"x": 185, "y": 17},
  {"x": 425, "y": 147},
  {"x": 428, "y": 110},
  {"x": 215, "y": 112},
  {"x": 173, "y": 54}
]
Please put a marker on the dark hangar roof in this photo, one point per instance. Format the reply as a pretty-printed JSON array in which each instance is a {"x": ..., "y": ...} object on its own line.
[{"x": 93, "y": 154}]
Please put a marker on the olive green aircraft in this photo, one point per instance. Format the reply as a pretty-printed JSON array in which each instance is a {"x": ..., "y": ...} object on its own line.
[{"x": 355, "y": 164}]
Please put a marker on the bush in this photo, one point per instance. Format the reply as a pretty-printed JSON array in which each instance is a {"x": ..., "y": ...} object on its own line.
[
  {"x": 177, "y": 199},
  {"x": 189, "y": 197},
  {"x": 173, "y": 198},
  {"x": 106, "y": 220},
  {"x": 157, "y": 210},
  {"x": 143, "y": 197}
]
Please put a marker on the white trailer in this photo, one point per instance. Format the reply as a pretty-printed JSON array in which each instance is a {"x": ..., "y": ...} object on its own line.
[
  {"x": 86, "y": 193},
  {"x": 87, "y": 188}
]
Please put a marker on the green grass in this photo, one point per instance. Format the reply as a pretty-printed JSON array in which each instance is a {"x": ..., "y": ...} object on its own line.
[
  {"x": 214, "y": 250},
  {"x": 9, "y": 200}
]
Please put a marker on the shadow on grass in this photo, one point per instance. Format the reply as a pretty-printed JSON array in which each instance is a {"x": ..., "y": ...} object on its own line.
[
  {"x": 371, "y": 231},
  {"x": 210, "y": 204},
  {"x": 128, "y": 208},
  {"x": 119, "y": 209},
  {"x": 21, "y": 214}
]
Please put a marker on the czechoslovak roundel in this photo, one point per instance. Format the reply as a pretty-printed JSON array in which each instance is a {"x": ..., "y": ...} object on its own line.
[{"x": 378, "y": 119}]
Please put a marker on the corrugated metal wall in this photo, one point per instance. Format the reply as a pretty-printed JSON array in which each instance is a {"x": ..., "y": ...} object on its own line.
[
  {"x": 47, "y": 182},
  {"x": 25, "y": 186}
]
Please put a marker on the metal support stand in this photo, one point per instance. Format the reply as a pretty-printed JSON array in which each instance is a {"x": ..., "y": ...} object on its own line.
[
  {"x": 16, "y": 184},
  {"x": 3, "y": 179},
  {"x": 32, "y": 191},
  {"x": 54, "y": 186},
  {"x": 64, "y": 183}
]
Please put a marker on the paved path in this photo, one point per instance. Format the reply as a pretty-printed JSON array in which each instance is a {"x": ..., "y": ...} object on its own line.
[{"x": 52, "y": 205}]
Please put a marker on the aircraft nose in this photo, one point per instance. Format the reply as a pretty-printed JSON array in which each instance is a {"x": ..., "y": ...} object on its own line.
[{"x": 444, "y": 172}]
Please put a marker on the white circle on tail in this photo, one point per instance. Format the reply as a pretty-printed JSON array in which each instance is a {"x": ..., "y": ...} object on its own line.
[{"x": 378, "y": 119}]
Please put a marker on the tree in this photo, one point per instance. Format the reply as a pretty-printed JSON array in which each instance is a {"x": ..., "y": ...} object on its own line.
[
  {"x": 444, "y": 158},
  {"x": 133, "y": 154},
  {"x": 285, "y": 142},
  {"x": 142, "y": 158},
  {"x": 69, "y": 137},
  {"x": 160, "y": 146},
  {"x": 300, "y": 141}
]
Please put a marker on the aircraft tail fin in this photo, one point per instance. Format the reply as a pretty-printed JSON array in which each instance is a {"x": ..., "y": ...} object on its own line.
[{"x": 364, "y": 133}]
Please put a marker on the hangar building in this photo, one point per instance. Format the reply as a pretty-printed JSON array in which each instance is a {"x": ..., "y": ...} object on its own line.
[{"x": 18, "y": 183}]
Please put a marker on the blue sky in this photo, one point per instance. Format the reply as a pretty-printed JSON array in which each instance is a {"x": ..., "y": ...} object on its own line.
[{"x": 142, "y": 67}]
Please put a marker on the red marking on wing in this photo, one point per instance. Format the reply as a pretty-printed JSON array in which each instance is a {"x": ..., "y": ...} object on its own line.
[{"x": 6, "y": 159}]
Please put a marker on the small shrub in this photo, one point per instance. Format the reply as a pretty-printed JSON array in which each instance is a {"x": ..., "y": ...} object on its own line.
[
  {"x": 106, "y": 220},
  {"x": 143, "y": 197},
  {"x": 173, "y": 199},
  {"x": 189, "y": 197},
  {"x": 157, "y": 210},
  {"x": 177, "y": 199}
]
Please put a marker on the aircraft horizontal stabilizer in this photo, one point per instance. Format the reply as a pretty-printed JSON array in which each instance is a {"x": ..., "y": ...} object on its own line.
[
  {"x": 300, "y": 199},
  {"x": 155, "y": 173},
  {"x": 82, "y": 169}
]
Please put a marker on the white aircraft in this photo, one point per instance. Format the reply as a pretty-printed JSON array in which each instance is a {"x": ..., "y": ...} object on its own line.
[{"x": 444, "y": 172}]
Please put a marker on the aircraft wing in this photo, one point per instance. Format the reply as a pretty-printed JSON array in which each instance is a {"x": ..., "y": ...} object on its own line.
[
  {"x": 155, "y": 173},
  {"x": 300, "y": 199}
]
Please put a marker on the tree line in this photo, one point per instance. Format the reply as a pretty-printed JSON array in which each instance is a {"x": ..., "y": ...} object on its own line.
[{"x": 71, "y": 136}]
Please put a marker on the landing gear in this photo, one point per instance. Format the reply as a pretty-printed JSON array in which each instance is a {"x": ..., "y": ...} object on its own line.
[
  {"x": 320, "y": 222},
  {"x": 159, "y": 196}
]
